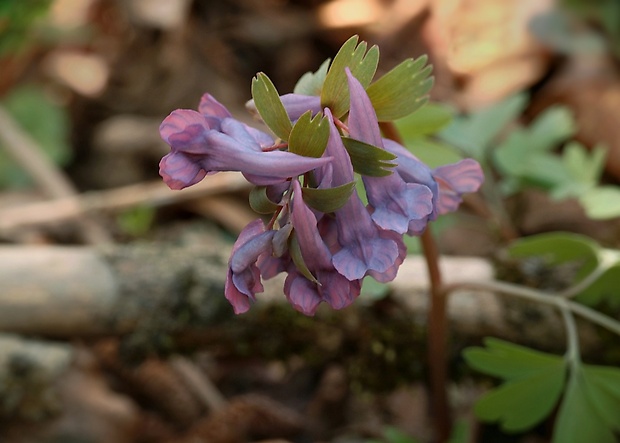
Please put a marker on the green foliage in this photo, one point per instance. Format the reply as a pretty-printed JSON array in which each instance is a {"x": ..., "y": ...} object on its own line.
[
  {"x": 17, "y": 18},
  {"x": 392, "y": 434},
  {"x": 45, "y": 121},
  {"x": 270, "y": 107},
  {"x": 136, "y": 221},
  {"x": 418, "y": 131},
  {"x": 309, "y": 135},
  {"x": 533, "y": 384},
  {"x": 557, "y": 248},
  {"x": 526, "y": 156},
  {"x": 601, "y": 202},
  {"x": 328, "y": 199},
  {"x": 363, "y": 65},
  {"x": 475, "y": 133},
  {"x": 592, "y": 259},
  {"x": 368, "y": 159},
  {"x": 372, "y": 290},
  {"x": 403, "y": 90},
  {"x": 604, "y": 13},
  {"x": 311, "y": 83},
  {"x": 428, "y": 120},
  {"x": 561, "y": 32},
  {"x": 591, "y": 406}
]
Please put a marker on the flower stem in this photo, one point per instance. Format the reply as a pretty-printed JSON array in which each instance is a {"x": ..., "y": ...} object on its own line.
[{"x": 437, "y": 340}]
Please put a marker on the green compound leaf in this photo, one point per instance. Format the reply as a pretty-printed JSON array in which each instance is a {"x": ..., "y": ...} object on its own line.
[
  {"x": 584, "y": 165},
  {"x": 533, "y": 383},
  {"x": 428, "y": 120},
  {"x": 298, "y": 258},
  {"x": 520, "y": 404},
  {"x": 328, "y": 199},
  {"x": 509, "y": 361},
  {"x": 309, "y": 135},
  {"x": 559, "y": 247},
  {"x": 363, "y": 65},
  {"x": 563, "y": 247},
  {"x": 589, "y": 410},
  {"x": 526, "y": 154},
  {"x": 312, "y": 83},
  {"x": 368, "y": 159},
  {"x": 270, "y": 107},
  {"x": 403, "y": 90},
  {"x": 601, "y": 202},
  {"x": 605, "y": 288},
  {"x": 584, "y": 168},
  {"x": 474, "y": 133},
  {"x": 259, "y": 201},
  {"x": 550, "y": 128}
]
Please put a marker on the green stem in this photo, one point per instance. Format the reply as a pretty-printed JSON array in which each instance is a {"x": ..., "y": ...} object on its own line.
[
  {"x": 573, "y": 353},
  {"x": 542, "y": 297}
]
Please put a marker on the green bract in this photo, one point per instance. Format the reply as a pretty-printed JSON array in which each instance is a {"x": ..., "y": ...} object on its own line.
[
  {"x": 309, "y": 135},
  {"x": 298, "y": 258},
  {"x": 368, "y": 159},
  {"x": 402, "y": 90},
  {"x": 363, "y": 65},
  {"x": 270, "y": 107},
  {"x": 328, "y": 199},
  {"x": 312, "y": 83},
  {"x": 259, "y": 201}
]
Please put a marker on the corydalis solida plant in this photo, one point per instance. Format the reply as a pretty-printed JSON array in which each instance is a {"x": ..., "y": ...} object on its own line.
[{"x": 320, "y": 232}]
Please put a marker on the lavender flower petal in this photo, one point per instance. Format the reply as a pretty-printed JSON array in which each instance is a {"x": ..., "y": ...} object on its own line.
[
  {"x": 454, "y": 181},
  {"x": 243, "y": 278},
  {"x": 395, "y": 202},
  {"x": 362, "y": 246}
]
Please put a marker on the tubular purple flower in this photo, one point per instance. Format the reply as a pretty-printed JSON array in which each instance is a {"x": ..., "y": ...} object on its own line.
[
  {"x": 198, "y": 149},
  {"x": 332, "y": 287},
  {"x": 395, "y": 203},
  {"x": 364, "y": 247},
  {"x": 243, "y": 279},
  {"x": 454, "y": 181},
  {"x": 448, "y": 182},
  {"x": 215, "y": 112}
]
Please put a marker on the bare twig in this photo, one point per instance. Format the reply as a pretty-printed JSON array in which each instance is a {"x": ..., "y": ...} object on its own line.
[
  {"x": 233, "y": 214},
  {"x": 152, "y": 194},
  {"x": 48, "y": 177}
]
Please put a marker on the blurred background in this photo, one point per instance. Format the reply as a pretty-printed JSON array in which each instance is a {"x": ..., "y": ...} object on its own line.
[{"x": 84, "y": 85}]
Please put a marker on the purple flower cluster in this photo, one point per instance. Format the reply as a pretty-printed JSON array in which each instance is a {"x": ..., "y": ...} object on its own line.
[{"x": 325, "y": 255}]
